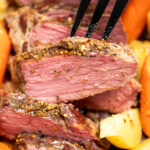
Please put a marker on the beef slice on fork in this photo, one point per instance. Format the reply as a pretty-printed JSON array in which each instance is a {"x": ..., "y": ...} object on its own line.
[{"x": 73, "y": 69}]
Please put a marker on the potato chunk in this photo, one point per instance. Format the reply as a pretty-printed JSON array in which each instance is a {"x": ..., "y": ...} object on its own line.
[
  {"x": 140, "y": 50},
  {"x": 145, "y": 145},
  {"x": 122, "y": 130}
]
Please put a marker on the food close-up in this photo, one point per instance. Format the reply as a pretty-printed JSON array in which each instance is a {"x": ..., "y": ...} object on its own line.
[{"x": 74, "y": 74}]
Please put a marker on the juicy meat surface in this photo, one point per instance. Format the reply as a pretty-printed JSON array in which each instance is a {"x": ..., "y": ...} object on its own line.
[
  {"x": 74, "y": 69},
  {"x": 35, "y": 142},
  {"x": 67, "y": 2},
  {"x": 114, "y": 101},
  {"x": 20, "y": 114},
  {"x": 30, "y": 28}
]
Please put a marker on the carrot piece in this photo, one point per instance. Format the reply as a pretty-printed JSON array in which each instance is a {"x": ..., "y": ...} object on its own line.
[
  {"x": 5, "y": 47},
  {"x": 145, "y": 96},
  {"x": 134, "y": 18},
  {"x": 5, "y": 146},
  {"x": 148, "y": 22}
]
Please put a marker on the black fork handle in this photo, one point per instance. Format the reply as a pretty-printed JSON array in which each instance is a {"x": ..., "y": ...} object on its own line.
[
  {"x": 116, "y": 13},
  {"x": 101, "y": 5},
  {"x": 80, "y": 13}
]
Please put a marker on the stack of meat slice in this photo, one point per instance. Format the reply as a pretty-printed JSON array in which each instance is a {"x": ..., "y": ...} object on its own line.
[
  {"x": 51, "y": 71},
  {"x": 71, "y": 69},
  {"x": 57, "y": 126},
  {"x": 20, "y": 114}
]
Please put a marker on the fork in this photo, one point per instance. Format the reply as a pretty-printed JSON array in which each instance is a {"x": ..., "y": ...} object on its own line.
[{"x": 101, "y": 5}]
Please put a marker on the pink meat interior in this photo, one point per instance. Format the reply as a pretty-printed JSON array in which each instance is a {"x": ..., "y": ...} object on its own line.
[
  {"x": 50, "y": 32},
  {"x": 74, "y": 77}
]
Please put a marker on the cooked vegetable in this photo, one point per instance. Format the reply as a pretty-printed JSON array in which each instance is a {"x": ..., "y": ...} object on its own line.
[
  {"x": 145, "y": 145},
  {"x": 148, "y": 22},
  {"x": 122, "y": 130},
  {"x": 3, "y": 7},
  {"x": 5, "y": 146},
  {"x": 134, "y": 18},
  {"x": 140, "y": 49},
  {"x": 5, "y": 46},
  {"x": 145, "y": 96}
]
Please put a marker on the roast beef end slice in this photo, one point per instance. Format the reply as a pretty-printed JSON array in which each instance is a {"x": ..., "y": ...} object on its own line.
[
  {"x": 31, "y": 28},
  {"x": 20, "y": 114}
]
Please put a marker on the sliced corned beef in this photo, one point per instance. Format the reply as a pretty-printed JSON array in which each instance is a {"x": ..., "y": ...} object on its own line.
[
  {"x": 35, "y": 142},
  {"x": 73, "y": 69},
  {"x": 20, "y": 114},
  {"x": 114, "y": 101},
  {"x": 29, "y": 29},
  {"x": 67, "y": 16}
]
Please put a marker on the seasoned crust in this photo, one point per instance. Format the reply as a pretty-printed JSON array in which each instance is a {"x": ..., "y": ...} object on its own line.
[{"x": 80, "y": 46}]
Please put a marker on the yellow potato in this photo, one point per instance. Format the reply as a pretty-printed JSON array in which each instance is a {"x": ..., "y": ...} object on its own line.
[
  {"x": 3, "y": 5},
  {"x": 3, "y": 8},
  {"x": 140, "y": 50},
  {"x": 145, "y": 145},
  {"x": 122, "y": 130}
]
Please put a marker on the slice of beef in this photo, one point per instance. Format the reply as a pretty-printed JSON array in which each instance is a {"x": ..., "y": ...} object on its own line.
[
  {"x": 66, "y": 15},
  {"x": 35, "y": 142},
  {"x": 20, "y": 114},
  {"x": 114, "y": 101},
  {"x": 28, "y": 29},
  {"x": 73, "y": 69}
]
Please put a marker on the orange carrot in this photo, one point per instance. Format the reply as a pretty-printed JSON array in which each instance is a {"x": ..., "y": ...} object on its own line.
[
  {"x": 5, "y": 46},
  {"x": 145, "y": 96},
  {"x": 134, "y": 18},
  {"x": 6, "y": 146}
]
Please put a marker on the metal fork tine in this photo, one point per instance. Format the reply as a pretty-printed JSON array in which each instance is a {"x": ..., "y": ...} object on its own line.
[
  {"x": 96, "y": 16},
  {"x": 116, "y": 13},
  {"x": 80, "y": 13}
]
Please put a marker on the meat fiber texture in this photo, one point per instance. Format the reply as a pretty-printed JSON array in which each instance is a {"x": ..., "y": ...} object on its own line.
[
  {"x": 73, "y": 69},
  {"x": 35, "y": 142},
  {"x": 20, "y": 114},
  {"x": 67, "y": 2},
  {"x": 29, "y": 29},
  {"x": 66, "y": 15},
  {"x": 66, "y": 9},
  {"x": 114, "y": 101}
]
